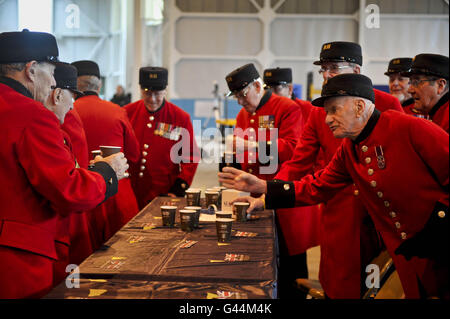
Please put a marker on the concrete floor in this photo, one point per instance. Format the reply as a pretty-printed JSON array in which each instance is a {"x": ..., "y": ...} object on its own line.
[{"x": 206, "y": 177}]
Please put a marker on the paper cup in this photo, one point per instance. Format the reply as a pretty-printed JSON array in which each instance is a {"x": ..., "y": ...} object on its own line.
[
  {"x": 193, "y": 197},
  {"x": 212, "y": 198},
  {"x": 109, "y": 150},
  {"x": 223, "y": 227},
  {"x": 197, "y": 210},
  {"x": 240, "y": 210},
  {"x": 187, "y": 219},
  {"x": 168, "y": 215}
]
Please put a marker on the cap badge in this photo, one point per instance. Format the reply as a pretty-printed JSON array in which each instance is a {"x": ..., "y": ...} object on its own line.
[
  {"x": 396, "y": 62},
  {"x": 341, "y": 92},
  {"x": 326, "y": 46},
  {"x": 268, "y": 73},
  {"x": 229, "y": 79},
  {"x": 153, "y": 75}
]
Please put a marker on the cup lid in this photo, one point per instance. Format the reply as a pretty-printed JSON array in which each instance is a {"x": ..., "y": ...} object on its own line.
[
  {"x": 109, "y": 146},
  {"x": 192, "y": 207},
  {"x": 241, "y": 204},
  {"x": 187, "y": 211},
  {"x": 169, "y": 207},
  {"x": 193, "y": 190},
  {"x": 225, "y": 220}
]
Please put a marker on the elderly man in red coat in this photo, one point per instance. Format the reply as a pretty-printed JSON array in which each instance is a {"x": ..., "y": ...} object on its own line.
[
  {"x": 106, "y": 124},
  {"x": 169, "y": 155},
  {"x": 409, "y": 210},
  {"x": 299, "y": 227},
  {"x": 40, "y": 180},
  {"x": 344, "y": 251},
  {"x": 399, "y": 84},
  {"x": 428, "y": 79}
]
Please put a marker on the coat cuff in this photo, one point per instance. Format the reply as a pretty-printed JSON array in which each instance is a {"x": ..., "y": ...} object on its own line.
[
  {"x": 280, "y": 194},
  {"x": 179, "y": 187},
  {"x": 109, "y": 175}
]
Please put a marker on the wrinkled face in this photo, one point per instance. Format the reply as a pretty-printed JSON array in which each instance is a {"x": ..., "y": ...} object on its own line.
[
  {"x": 331, "y": 69},
  {"x": 398, "y": 86},
  {"x": 43, "y": 81},
  {"x": 249, "y": 97},
  {"x": 60, "y": 102},
  {"x": 341, "y": 116},
  {"x": 153, "y": 99},
  {"x": 425, "y": 92}
]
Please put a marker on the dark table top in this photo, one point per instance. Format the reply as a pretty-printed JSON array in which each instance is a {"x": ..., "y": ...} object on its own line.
[{"x": 146, "y": 260}]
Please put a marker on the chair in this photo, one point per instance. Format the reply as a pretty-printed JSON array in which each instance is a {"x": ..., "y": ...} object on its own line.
[{"x": 390, "y": 286}]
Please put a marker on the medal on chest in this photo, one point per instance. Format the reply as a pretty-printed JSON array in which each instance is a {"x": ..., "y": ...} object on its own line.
[
  {"x": 168, "y": 131},
  {"x": 381, "y": 161},
  {"x": 266, "y": 121}
]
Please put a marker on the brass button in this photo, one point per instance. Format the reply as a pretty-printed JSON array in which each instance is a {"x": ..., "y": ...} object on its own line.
[
  {"x": 254, "y": 113},
  {"x": 356, "y": 192},
  {"x": 250, "y": 170},
  {"x": 141, "y": 174},
  {"x": 393, "y": 214},
  {"x": 441, "y": 214},
  {"x": 269, "y": 142},
  {"x": 251, "y": 138},
  {"x": 373, "y": 184},
  {"x": 144, "y": 161},
  {"x": 250, "y": 154},
  {"x": 142, "y": 167},
  {"x": 397, "y": 225},
  {"x": 403, "y": 235},
  {"x": 286, "y": 187},
  {"x": 364, "y": 148},
  {"x": 386, "y": 203},
  {"x": 250, "y": 161},
  {"x": 380, "y": 194},
  {"x": 370, "y": 172},
  {"x": 149, "y": 125},
  {"x": 151, "y": 118},
  {"x": 145, "y": 146},
  {"x": 144, "y": 153},
  {"x": 251, "y": 129},
  {"x": 368, "y": 160},
  {"x": 252, "y": 121}
]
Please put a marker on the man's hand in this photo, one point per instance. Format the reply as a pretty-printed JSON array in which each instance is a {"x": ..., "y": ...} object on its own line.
[
  {"x": 118, "y": 163},
  {"x": 255, "y": 203},
  {"x": 242, "y": 181}
]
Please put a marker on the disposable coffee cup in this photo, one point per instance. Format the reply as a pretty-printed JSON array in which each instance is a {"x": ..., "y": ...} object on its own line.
[
  {"x": 221, "y": 214},
  {"x": 212, "y": 198},
  {"x": 109, "y": 150},
  {"x": 240, "y": 210},
  {"x": 95, "y": 153},
  {"x": 197, "y": 210},
  {"x": 187, "y": 220},
  {"x": 223, "y": 227},
  {"x": 168, "y": 215},
  {"x": 193, "y": 197}
]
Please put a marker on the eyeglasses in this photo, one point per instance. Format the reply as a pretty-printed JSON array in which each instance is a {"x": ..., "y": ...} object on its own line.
[
  {"x": 333, "y": 69},
  {"x": 156, "y": 94},
  {"x": 243, "y": 93},
  {"x": 416, "y": 82}
]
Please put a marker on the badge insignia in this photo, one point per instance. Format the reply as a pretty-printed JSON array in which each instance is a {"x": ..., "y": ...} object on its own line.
[{"x": 381, "y": 162}]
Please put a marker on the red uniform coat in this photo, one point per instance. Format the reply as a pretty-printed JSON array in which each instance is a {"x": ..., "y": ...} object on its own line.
[
  {"x": 38, "y": 177},
  {"x": 80, "y": 232},
  {"x": 157, "y": 132},
  {"x": 288, "y": 117},
  {"x": 305, "y": 107},
  {"x": 400, "y": 196},
  {"x": 340, "y": 264},
  {"x": 106, "y": 123},
  {"x": 440, "y": 112}
]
